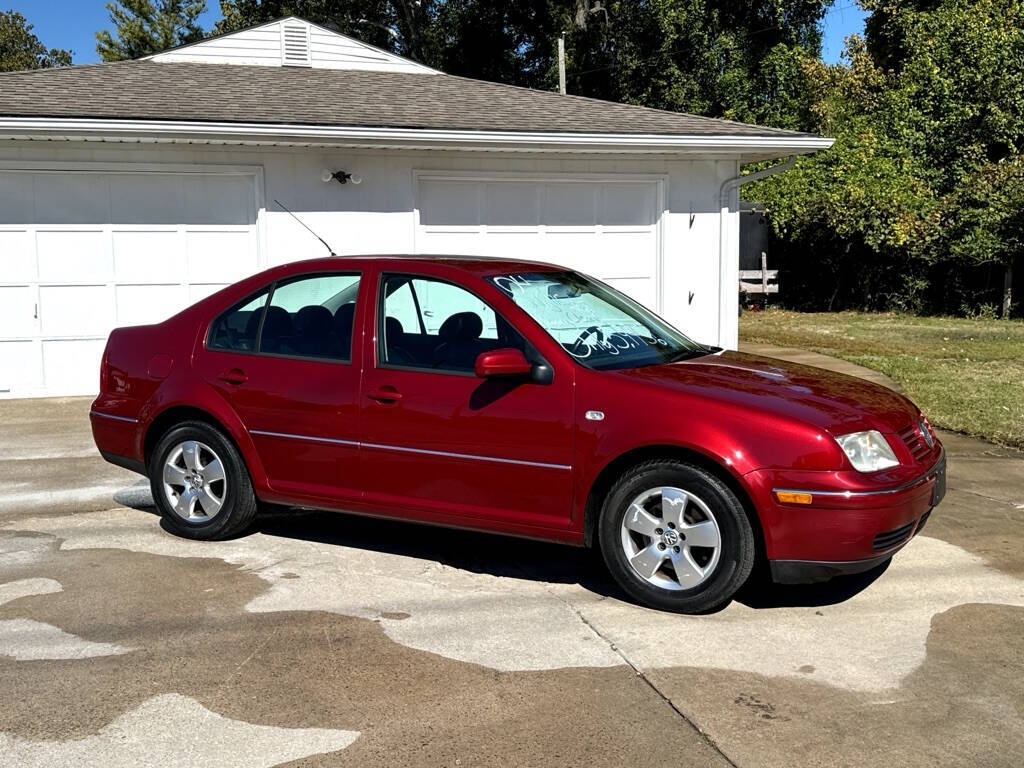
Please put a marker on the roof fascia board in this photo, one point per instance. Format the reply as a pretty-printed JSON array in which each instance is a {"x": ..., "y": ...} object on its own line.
[{"x": 405, "y": 137}]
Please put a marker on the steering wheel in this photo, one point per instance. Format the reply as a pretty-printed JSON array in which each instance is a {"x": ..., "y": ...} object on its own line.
[{"x": 582, "y": 338}]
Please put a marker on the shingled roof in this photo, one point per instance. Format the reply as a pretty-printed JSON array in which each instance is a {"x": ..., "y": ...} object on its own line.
[{"x": 189, "y": 91}]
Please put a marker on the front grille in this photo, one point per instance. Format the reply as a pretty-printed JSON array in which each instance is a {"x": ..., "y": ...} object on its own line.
[
  {"x": 915, "y": 442},
  {"x": 892, "y": 538}
]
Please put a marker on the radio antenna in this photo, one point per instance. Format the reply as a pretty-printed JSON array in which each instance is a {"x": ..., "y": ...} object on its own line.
[{"x": 307, "y": 228}]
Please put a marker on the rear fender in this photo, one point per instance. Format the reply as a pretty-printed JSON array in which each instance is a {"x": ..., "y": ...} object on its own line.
[{"x": 201, "y": 399}]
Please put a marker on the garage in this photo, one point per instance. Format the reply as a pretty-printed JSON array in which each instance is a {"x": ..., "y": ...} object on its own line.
[
  {"x": 84, "y": 250},
  {"x": 605, "y": 226},
  {"x": 131, "y": 189}
]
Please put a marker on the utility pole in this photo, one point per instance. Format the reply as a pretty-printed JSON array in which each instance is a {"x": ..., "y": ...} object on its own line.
[{"x": 561, "y": 63}]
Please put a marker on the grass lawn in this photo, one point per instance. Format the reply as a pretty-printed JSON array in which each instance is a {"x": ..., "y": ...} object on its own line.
[{"x": 966, "y": 375}]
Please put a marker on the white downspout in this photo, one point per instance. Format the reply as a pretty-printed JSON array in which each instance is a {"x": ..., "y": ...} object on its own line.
[{"x": 727, "y": 286}]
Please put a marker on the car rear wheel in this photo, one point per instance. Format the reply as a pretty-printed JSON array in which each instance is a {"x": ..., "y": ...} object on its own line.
[
  {"x": 200, "y": 483},
  {"x": 675, "y": 537}
]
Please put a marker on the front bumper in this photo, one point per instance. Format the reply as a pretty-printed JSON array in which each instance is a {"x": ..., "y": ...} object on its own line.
[{"x": 841, "y": 531}]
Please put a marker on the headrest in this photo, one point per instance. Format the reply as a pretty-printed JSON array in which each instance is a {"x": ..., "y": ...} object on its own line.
[
  {"x": 393, "y": 328},
  {"x": 462, "y": 326},
  {"x": 314, "y": 320},
  {"x": 344, "y": 317},
  {"x": 278, "y": 322}
]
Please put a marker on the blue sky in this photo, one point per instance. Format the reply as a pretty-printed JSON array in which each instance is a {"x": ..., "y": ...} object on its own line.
[
  {"x": 844, "y": 18},
  {"x": 73, "y": 24}
]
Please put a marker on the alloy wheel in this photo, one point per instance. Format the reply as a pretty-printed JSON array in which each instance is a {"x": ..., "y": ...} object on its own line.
[
  {"x": 194, "y": 481},
  {"x": 671, "y": 538}
]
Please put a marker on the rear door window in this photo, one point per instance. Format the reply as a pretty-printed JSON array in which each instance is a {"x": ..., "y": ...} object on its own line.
[{"x": 311, "y": 316}]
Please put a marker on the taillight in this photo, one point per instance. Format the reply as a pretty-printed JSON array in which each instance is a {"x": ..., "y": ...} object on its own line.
[{"x": 105, "y": 369}]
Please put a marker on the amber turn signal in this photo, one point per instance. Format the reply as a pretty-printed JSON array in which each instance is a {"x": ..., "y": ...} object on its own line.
[{"x": 794, "y": 497}]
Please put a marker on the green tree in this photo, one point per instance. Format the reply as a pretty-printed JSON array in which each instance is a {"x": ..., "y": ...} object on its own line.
[
  {"x": 143, "y": 27},
  {"x": 20, "y": 49},
  {"x": 737, "y": 60},
  {"x": 917, "y": 205}
]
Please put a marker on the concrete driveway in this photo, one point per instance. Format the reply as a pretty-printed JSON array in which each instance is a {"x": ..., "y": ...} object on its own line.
[{"x": 323, "y": 639}]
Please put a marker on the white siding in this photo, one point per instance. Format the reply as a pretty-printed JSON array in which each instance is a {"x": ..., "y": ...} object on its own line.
[{"x": 263, "y": 46}]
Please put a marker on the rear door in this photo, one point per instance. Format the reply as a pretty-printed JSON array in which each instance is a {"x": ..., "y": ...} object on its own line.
[
  {"x": 442, "y": 444},
  {"x": 286, "y": 361}
]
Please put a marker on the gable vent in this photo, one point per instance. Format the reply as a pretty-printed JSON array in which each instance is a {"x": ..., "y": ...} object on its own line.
[{"x": 295, "y": 44}]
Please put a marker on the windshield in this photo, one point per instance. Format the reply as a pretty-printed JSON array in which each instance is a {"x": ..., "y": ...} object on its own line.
[{"x": 600, "y": 327}]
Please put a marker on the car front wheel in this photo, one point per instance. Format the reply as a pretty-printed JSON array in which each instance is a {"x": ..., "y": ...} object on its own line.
[
  {"x": 200, "y": 483},
  {"x": 675, "y": 537}
]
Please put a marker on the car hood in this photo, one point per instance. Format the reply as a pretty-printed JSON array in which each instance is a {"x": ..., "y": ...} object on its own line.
[{"x": 832, "y": 401}]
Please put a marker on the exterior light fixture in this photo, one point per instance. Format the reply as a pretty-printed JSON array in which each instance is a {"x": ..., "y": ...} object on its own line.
[{"x": 342, "y": 177}]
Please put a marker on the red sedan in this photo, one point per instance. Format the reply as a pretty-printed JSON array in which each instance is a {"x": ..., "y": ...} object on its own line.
[{"x": 517, "y": 398}]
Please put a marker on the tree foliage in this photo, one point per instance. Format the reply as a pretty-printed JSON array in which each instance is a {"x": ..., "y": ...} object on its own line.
[
  {"x": 143, "y": 27},
  {"x": 734, "y": 59},
  {"x": 21, "y": 49},
  {"x": 918, "y": 204}
]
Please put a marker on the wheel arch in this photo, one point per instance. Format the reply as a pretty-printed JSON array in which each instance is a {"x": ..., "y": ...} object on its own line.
[
  {"x": 176, "y": 414},
  {"x": 616, "y": 467}
]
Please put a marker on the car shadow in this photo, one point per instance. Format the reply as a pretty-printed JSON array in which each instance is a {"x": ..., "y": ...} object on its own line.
[
  {"x": 471, "y": 551},
  {"x": 761, "y": 592},
  {"x": 504, "y": 556}
]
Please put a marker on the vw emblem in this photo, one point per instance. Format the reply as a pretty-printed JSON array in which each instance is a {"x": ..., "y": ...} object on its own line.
[
  {"x": 926, "y": 434},
  {"x": 671, "y": 537}
]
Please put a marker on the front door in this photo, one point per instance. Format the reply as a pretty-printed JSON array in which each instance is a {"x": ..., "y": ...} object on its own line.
[
  {"x": 286, "y": 362},
  {"x": 441, "y": 443}
]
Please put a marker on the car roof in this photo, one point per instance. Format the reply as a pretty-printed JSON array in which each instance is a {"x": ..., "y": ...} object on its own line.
[{"x": 478, "y": 265}]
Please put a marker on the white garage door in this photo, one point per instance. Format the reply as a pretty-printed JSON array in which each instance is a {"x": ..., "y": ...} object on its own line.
[
  {"x": 607, "y": 228},
  {"x": 83, "y": 251}
]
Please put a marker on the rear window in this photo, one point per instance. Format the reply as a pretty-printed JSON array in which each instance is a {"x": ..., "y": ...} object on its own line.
[{"x": 236, "y": 329}]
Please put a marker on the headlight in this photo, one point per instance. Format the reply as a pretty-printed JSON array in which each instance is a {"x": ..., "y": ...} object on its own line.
[{"x": 868, "y": 451}]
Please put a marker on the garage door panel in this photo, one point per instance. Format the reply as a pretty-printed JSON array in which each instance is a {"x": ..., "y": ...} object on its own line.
[
  {"x": 219, "y": 255},
  {"x": 512, "y": 205},
  {"x": 75, "y": 310},
  {"x": 71, "y": 198},
  {"x": 146, "y": 199},
  {"x": 17, "y": 258},
  {"x": 218, "y": 200},
  {"x": 450, "y": 203},
  {"x": 623, "y": 254},
  {"x": 145, "y": 304},
  {"x": 627, "y": 205},
  {"x": 151, "y": 256},
  {"x": 20, "y": 367},
  {"x": 16, "y": 198},
  {"x": 643, "y": 290},
  {"x": 68, "y": 364},
  {"x": 72, "y": 255},
  {"x": 570, "y": 205},
  {"x": 17, "y": 310}
]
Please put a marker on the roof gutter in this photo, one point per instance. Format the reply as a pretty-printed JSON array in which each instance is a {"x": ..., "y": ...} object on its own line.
[
  {"x": 727, "y": 285},
  {"x": 92, "y": 129}
]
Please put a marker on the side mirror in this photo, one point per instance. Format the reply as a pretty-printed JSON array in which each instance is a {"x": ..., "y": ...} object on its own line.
[{"x": 502, "y": 362}]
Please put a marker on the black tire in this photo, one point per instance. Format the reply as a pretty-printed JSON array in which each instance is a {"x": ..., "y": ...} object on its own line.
[
  {"x": 737, "y": 547},
  {"x": 238, "y": 508}
]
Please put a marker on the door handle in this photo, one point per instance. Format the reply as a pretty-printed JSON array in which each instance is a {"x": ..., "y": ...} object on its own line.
[
  {"x": 386, "y": 395},
  {"x": 234, "y": 376}
]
